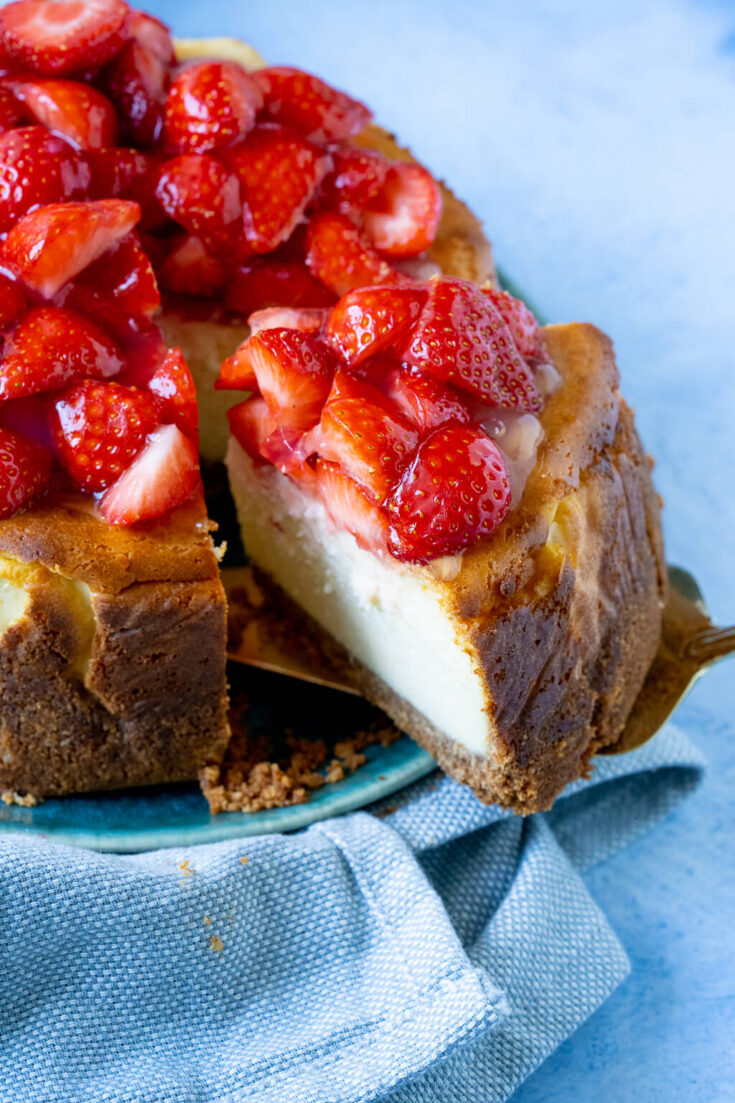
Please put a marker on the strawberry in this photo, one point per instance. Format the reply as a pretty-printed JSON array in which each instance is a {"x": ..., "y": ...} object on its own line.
[
  {"x": 190, "y": 270},
  {"x": 25, "y": 470},
  {"x": 81, "y": 114},
  {"x": 162, "y": 476},
  {"x": 359, "y": 175},
  {"x": 309, "y": 105},
  {"x": 55, "y": 37},
  {"x": 370, "y": 319},
  {"x": 211, "y": 105},
  {"x": 53, "y": 244},
  {"x": 423, "y": 400},
  {"x": 30, "y": 418},
  {"x": 462, "y": 339},
  {"x": 403, "y": 218},
  {"x": 151, "y": 33},
  {"x": 10, "y": 110},
  {"x": 127, "y": 174},
  {"x": 268, "y": 283},
  {"x": 251, "y": 423},
  {"x": 136, "y": 81},
  {"x": 51, "y": 347},
  {"x": 279, "y": 173},
  {"x": 455, "y": 491},
  {"x": 123, "y": 279},
  {"x": 175, "y": 395},
  {"x": 350, "y": 507},
  {"x": 13, "y": 303},
  {"x": 338, "y": 256},
  {"x": 308, "y": 319},
  {"x": 293, "y": 372},
  {"x": 37, "y": 168},
  {"x": 204, "y": 197},
  {"x": 364, "y": 434},
  {"x": 237, "y": 372},
  {"x": 99, "y": 429},
  {"x": 520, "y": 321}
]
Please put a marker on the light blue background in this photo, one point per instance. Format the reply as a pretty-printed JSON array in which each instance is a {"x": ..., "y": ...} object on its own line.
[{"x": 597, "y": 142}]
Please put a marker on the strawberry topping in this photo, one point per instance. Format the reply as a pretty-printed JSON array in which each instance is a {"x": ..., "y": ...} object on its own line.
[
  {"x": 423, "y": 400},
  {"x": 174, "y": 394},
  {"x": 403, "y": 218},
  {"x": 520, "y": 321},
  {"x": 162, "y": 476},
  {"x": 99, "y": 429},
  {"x": 136, "y": 82},
  {"x": 309, "y": 105},
  {"x": 36, "y": 168},
  {"x": 80, "y": 113},
  {"x": 269, "y": 283},
  {"x": 190, "y": 270},
  {"x": 211, "y": 105},
  {"x": 373, "y": 318},
  {"x": 204, "y": 197},
  {"x": 338, "y": 255},
  {"x": 55, "y": 37},
  {"x": 24, "y": 472},
  {"x": 351, "y": 508},
  {"x": 251, "y": 423}
]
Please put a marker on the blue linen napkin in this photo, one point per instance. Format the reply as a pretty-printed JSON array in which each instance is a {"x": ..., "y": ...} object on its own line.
[{"x": 432, "y": 949}]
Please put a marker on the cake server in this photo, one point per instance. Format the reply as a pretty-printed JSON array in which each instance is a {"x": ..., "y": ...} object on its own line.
[{"x": 690, "y": 644}]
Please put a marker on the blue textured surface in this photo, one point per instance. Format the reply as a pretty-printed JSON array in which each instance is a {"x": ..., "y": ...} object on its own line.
[{"x": 596, "y": 141}]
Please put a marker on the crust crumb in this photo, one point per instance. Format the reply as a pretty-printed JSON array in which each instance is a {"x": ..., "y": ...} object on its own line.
[
  {"x": 26, "y": 800},
  {"x": 216, "y": 944}
]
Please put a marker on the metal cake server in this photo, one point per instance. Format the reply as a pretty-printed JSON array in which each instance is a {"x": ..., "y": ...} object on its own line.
[{"x": 690, "y": 644}]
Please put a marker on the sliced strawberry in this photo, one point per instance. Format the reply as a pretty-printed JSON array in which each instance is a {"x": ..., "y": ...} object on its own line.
[
  {"x": 137, "y": 81},
  {"x": 462, "y": 338},
  {"x": 251, "y": 423},
  {"x": 279, "y": 173},
  {"x": 211, "y": 105},
  {"x": 53, "y": 244},
  {"x": 455, "y": 491},
  {"x": 10, "y": 110},
  {"x": 370, "y": 319},
  {"x": 310, "y": 105},
  {"x": 293, "y": 372},
  {"x": 403, "y": 219},
  {"x": 175, "y": 395},
  {"x": 308, "y": 319},
  {"x": 99, "y": 429},
  {"x": 359, "y": 175},
  {"x": 13, "y": 303},
  {"x": 237, "y": 372},
  {"x": 190, "y": 270},
  {"x": 424, "y": 401},
  {"x": 362, "y": 432},
  {"x": 520, "y": 321},
  {"x": 163, "y": 475},
  {"x": 123, "y": 277},
  {"x": 267, "y": 283},
  {"x": 350, "y": 507},
  {"x": 54, "y": 37},
  {"x": 204, "y": 197},
  {"x": 77, "y": 111},
  {"x": 51, "y": 347},
  {"x": 25, "y": 470},
  {"x": 37, "y": 168},
  {"x": 151, "y": 33},
  {"x": 339, "y": 257},
  {"x": 127, "y": 174}
]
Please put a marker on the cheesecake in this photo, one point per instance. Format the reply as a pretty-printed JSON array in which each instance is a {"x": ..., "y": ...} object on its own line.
[{"x": 205, "y": 255}]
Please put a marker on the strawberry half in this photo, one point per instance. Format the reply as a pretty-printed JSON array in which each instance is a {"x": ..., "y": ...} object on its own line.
[
  {"x": 99, "y": 429},
  {"x": 462, "y": 338},
  {"x": 251, "y": 423},
  {"x": 424, "y": 401},
  {"x": 162, "y": 476},
  {"x": 404, "y": 217},
  {"x": 340, "y": 258},
  {"x": 37, "y": 168},
  {"x": 310, "y": 105},
  {"x": 364, "y": 434},
  {"x": 293, "y": 372},
  {"x": 84, "y": 116},
  {"x": 137, "y": 81},
  {"x": 520, "y": 321},
  {"x": 25, "y": 470},
  {"x": 370, "y": 319},
  {"x": 358, "y": 177},
  {"x": 10, "y": 110},
  {"x": 211, "y": 105},
  {"x": 51, "y": 245},
  {"x": 307, "y": 319},
  {"x": 270, "y": 283},
  {"x": 151, "y": 33},
  {"x": 51, "y": 347},
  {"x": 351, "y": 508},
  {"x": 279, "y": 173},
  {"x": 54, "y": 37},
  {"x": 13, "y": 303},
  {"x": 190, "y": 270},
  {"x": 122, "y": 278},
  {"x": 175, "y": 395},
  {"x": 455, "y": 491},
  {"x": 204, "y": 197}
]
